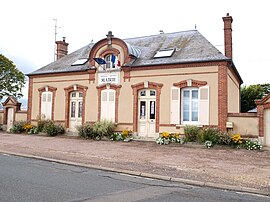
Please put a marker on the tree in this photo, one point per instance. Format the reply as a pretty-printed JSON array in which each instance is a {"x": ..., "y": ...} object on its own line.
[
  {"x": 12, "y": 80},
  {"x": 251, "y": 93}
]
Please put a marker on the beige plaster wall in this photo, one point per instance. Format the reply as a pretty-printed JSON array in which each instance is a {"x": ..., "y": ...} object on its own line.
[
  {"x": 91, "y": 103},
  {"x": 169, "y": 76},
  {"x": 171, "y": 129},
  {"x": 59, "y": 82},
  {"x": 233, "y": 94},
  {"x": 125, "y": 111},
  {"x": 21, "y": 116},
  {"x": 246, "y": 126}
]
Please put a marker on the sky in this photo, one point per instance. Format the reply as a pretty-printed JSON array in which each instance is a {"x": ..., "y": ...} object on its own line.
[{"x": 27, "y": 33}]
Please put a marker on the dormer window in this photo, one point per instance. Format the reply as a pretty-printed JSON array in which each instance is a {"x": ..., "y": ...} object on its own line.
[{"x": 110, "y": 61}]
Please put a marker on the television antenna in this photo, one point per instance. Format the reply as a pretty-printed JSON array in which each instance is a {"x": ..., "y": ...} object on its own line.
[{"x": 55, "y": 34}]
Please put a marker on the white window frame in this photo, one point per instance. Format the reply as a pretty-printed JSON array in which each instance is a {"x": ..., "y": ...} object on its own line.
[
  {"x": 189, "y": 122},
  {"x": 109, "y": 65}
]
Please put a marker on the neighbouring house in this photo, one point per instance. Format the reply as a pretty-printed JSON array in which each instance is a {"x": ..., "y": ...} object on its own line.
[
  {"x": 11, "y": 112},
  {"x": 146, "y": 84}
]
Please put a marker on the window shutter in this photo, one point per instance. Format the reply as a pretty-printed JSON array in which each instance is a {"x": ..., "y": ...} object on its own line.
[
  {"x": 204, "y": 105},
  {"x": 43, "y": 104},
  {"x": 49, "y": 106},
  {"x": 104, "y": 105},
  {"x": 111, "y": 106},
  {"x": 175, "y": 105}
]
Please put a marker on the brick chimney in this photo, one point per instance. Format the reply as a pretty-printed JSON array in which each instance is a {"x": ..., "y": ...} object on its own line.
[
  {"x": 61, "y": 49},
  {"x": 228, "y": 35}
]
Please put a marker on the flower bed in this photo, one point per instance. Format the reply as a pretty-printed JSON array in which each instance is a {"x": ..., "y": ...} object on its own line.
[{"x": 208, "y": 137}]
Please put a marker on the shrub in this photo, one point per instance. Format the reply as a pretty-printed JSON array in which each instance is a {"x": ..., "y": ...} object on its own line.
[
  {"x": 61, "y": 129},
  {"x": 41, "y": 124},
  {"x": 191, "y": 133},
  {"x": 33, "y": 130},
  {"x": 209, "y": 134},
  {"x": 97, "y": 130},
  {"x": 18, "y": 127},
  {"x": 117, "y": 137},
  {"x": 103, "y": 128},
  {"x": 52, "y": 129},
  {"x": 1, "y": 127},
  {"x": 85, "y": 131},
  {"x": 224, "y": 138}
]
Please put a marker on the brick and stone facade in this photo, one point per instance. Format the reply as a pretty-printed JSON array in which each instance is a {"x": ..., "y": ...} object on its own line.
[{"x": 137, "y": 69}]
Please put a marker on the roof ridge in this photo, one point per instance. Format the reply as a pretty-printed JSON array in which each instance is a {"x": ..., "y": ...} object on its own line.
[{"x": 160, "y": 34}]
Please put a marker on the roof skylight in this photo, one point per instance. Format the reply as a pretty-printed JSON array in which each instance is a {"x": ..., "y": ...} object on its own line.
[
  {"x": 164, "y": 53},
  {"x": 80, "y": 61}
]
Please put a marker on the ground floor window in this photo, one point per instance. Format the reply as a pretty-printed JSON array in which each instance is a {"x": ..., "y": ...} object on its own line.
[{"x": 190, "y": 105}]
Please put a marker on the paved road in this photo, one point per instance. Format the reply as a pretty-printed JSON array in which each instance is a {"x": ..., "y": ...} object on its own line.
[{"x": 25, "y": 179}]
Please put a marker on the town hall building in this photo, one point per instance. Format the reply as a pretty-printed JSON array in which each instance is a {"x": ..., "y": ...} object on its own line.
[{"x": 147, "y": 84}]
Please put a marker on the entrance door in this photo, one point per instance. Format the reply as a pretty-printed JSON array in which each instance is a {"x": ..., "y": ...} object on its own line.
[
  {"x": 267, "y": 126},
  {"x": 10, "y": 118},
  {"x": 75, "y": 113},
  {"x": 147, "y": 113}
]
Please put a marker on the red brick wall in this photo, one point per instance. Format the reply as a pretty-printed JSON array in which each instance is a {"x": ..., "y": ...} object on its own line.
[{"x": 222, "y": 96}]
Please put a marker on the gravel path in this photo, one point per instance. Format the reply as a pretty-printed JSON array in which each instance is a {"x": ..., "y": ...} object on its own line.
[{"x": 222, "y": 165}]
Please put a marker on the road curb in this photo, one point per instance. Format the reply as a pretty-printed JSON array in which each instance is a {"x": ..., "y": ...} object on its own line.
[{"x": 147, "y": 175}]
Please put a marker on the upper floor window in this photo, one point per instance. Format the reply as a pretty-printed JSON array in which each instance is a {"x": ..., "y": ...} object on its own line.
[{"x": 110, "y": 61}]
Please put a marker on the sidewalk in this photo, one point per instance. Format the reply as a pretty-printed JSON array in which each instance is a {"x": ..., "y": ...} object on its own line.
[{"x": 221, "y": 167}]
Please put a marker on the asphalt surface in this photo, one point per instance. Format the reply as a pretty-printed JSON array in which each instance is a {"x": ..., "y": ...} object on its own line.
[
  {"x": 219, "y": 167},
  {"x": 27, "y": 179}
]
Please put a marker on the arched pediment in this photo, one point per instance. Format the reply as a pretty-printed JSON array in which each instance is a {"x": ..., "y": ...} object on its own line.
[{"x": 106, "y": 46}]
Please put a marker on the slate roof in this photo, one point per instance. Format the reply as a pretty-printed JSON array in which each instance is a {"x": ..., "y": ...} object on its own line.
[{"x": 190, "y": 46}]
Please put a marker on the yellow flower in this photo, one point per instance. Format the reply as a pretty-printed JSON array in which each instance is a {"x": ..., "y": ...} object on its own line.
[
  {"x": 165, "y": 135},
  {"x": 125, "y": 133},
  {"x": 236, "y": 138},
  {"x": 27, "y": 127}
]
